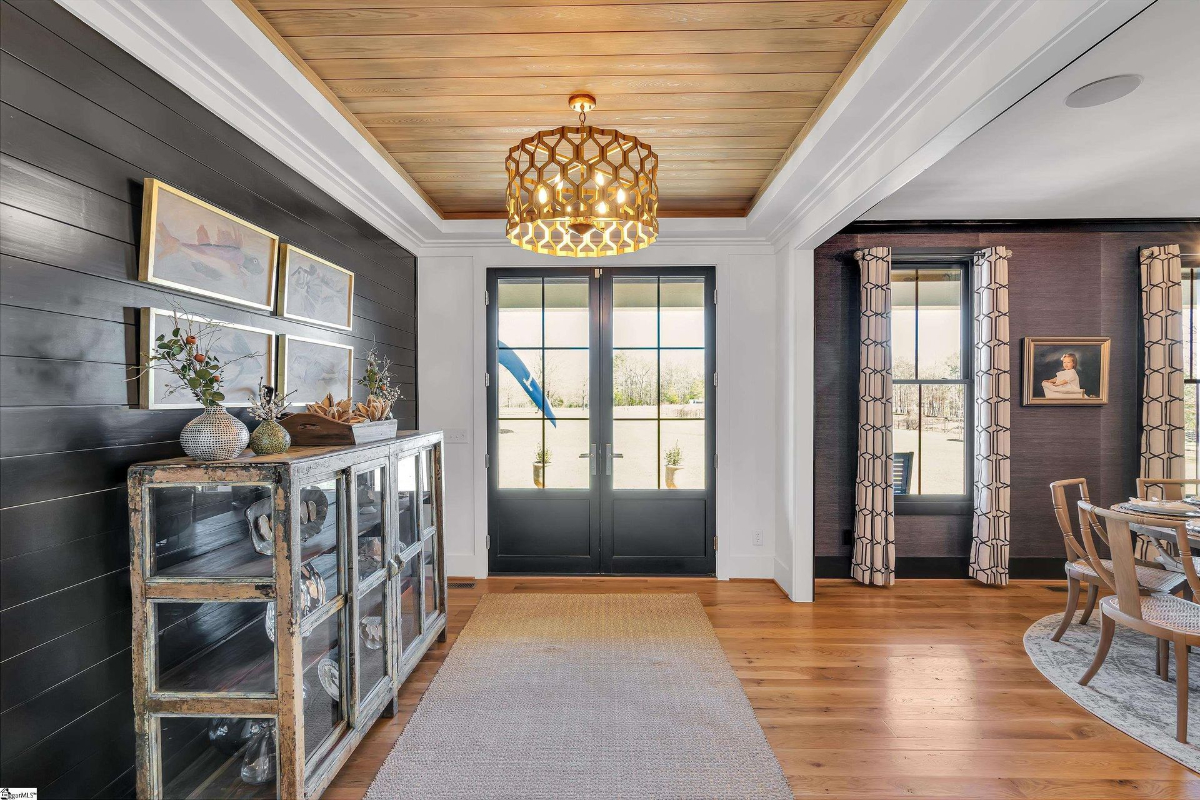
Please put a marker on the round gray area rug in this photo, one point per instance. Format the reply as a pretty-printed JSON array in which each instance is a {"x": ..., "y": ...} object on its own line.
[{"x": 1126, "y": 693}]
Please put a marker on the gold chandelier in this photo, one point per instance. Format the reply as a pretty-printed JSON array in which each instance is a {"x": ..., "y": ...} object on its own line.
[{"x": 582, "y": 191}]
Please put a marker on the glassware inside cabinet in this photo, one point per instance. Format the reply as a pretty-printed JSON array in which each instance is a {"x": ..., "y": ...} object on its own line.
[
  {"x": 218, "y": 757},
  {"x": 210, "y": 530},
  {"x": 213, "y": 647},
  {"x": 320, "y": 576},
  {"x": 324, "y": 687},
  {"x": 369, "y": 487},
  {"x": 372, "y": 653}
]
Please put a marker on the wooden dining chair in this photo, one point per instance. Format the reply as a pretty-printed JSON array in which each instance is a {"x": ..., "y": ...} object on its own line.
[
  {"x": 1163, "y": 616},
  {"x": 1167, "y": 489},
  {"x": 1079, "y": 568}
]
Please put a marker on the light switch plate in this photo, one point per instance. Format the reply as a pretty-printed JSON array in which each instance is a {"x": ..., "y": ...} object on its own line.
[{"x": 456, "y": 436}]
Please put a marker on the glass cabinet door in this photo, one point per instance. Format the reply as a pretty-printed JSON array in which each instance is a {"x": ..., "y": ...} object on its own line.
[
  {"x": 324, "y": 686},
  {"x": 216, "y": 757},
  {"x": 373, "y": 621},
  {"x": 210, "y": 530},
  {"x": 409, "y": 595},
  {"x": 408, "y": 502}
]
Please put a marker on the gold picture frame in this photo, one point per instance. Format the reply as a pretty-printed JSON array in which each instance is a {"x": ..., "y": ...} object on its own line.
[
  {"x": 194, "y": 247},
  {"x": 302, "y": 306},
  {"x": 1065, "y": 370},
  {"x": 319, "y": 354},
  {"x": 236, "y": 384}
]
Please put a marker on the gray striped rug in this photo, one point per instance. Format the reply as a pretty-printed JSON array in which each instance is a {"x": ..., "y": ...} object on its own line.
[{"x": 584, "y": 696}]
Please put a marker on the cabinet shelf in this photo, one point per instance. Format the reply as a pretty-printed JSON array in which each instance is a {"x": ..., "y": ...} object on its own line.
[
  {"x": 237, "y": 663},
  {"x": 238, "y": 559},
  {"x": 214, "y": 775}
]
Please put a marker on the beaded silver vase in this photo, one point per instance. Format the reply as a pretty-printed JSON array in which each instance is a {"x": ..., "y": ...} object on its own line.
[{"x": 215, "y": 435}]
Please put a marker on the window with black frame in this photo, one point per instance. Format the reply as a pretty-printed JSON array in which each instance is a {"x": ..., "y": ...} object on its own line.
[
  {"x": 1191, "y": 378},
  {"x": 932, "y": 385}
]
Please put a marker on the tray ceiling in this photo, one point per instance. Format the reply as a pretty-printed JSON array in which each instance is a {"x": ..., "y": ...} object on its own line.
[{"x": 720, "y": 90}]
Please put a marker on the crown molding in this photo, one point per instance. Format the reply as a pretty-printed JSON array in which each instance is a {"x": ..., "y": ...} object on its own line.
[{"x": 941, "y": 71}]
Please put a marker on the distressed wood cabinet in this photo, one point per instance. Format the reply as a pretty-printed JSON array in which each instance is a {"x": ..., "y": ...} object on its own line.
[{"x": 278, "y": 604}]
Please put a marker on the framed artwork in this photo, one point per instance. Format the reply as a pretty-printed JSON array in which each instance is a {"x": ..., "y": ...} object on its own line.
[
  {"x": 313, "y": 368},
  {"x": 231, "y": 341},
  {"x": 1065, "y": 371},
  {"x": 312, "y": 289},
  {"x": 194, "y": 247}
]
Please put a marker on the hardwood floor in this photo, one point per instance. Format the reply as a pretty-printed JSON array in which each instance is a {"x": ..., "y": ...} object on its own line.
[{"x": 922, "y": 690}]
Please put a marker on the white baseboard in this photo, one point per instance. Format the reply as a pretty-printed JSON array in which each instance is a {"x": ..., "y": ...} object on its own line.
[
  {"x": 782, "y": 575},
  {"x": 462, "y": 565},
  {"x": 743, "y": 566}
]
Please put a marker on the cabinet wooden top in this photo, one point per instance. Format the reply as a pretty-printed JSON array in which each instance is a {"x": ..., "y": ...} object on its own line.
[{"x": 298, "y": 454}]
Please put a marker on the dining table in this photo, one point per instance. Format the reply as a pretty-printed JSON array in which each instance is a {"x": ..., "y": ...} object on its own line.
[{"x": 1162, "y": 536}]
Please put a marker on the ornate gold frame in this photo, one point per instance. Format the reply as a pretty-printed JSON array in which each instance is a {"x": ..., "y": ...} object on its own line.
[{"x": 1030, "y": 342}]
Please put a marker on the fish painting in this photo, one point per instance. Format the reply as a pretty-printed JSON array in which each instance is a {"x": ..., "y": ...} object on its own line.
[{"x": 195, "y": 247}]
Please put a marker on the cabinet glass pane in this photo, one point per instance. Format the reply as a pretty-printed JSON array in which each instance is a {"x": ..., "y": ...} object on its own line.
[
  {"x": 428, "y": 489},
  {"x": 211, "y": 529},
  {"x": 324, "y": 685},
  {"x": 410, "y": 603},
  {"x": 213, "y": 647},
  {"x": 372, "y": 633},
  {"x": 218, "y": 757},
  {"x": 430, "y": 571},
  {"x": 320, "y": 577},
  {"x": 369, "y": 489},
  {"x": 407, "y": 501}
]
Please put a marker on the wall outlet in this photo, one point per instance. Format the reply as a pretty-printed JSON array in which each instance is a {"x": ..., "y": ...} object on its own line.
[
  {"x": 455, "y": 436},
  {"x": 758, "y": 538}
]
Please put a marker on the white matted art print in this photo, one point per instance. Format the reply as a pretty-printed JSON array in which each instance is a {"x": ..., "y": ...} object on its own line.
[
  {"x": 230, "y": 341},
  {"x": 190, "y": 245},
  {"x": 313, "y": 368},
  {"x": 314, "y": 290}
]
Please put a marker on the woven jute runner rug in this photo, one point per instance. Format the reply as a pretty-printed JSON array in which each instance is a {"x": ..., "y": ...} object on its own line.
[{"x": 584, "y": 696}]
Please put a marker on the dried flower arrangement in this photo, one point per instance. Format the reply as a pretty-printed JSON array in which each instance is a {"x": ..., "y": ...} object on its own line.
[
  {"x": 340, "y": 411},
  {"x": 267, "y": 403},
  {"x": 187, "y": 354},
  {"x": 377, "y": 380}
]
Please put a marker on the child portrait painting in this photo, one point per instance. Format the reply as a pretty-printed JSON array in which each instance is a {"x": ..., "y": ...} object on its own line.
[{"x": 1065, "y": 371}]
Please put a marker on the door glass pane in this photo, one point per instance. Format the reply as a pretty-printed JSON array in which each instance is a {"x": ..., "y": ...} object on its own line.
[
  {"x": 519, "y": 460},
  {"x": 635, "y": 312},
  {"x": 519, "y": 375},
  {"x": 567, "y": 383},
  {"x": 430, "y": 593},
  {"x": 904, "y": 324},
  {"x": 428, "y": 491},
  {"x": 682, "y": 384},
  {"x": 635, "y": 454},
  {"x": 682, "y": 312},
  {"x": 368, "y": 523},
  {"x": 320, "y": 577},
  {"x": 906, "y": 445},
  {"x": 202, "y": 757},
  {"x": 943, "y": 457},
  {"x": 683, "y": 458},
  {"x": 635, "y": 384},
  {"x": 567, "y": 313},
  {"x": 410, "y": 603},
  {"x": 211, "y": 530},
  {"x": 567, "y": 444},
  {"x": 372, "y": 655},
  {"x": 520, "y": 312},
  {"x": 939, "y": 324},
  {"x": 323, "y": 683},
  {"x": 406, "y": 500}
]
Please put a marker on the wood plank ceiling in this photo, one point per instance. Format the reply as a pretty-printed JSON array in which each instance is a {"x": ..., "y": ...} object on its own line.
[{"x": 720, "y": 90}]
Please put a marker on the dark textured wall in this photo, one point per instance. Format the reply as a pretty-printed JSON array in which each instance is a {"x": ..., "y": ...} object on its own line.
[
  {"x": 83, "y": 123},
  {"x": 1064, "y": 280}
]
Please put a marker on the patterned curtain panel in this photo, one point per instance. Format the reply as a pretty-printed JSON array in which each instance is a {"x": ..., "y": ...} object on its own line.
[
  {"x": 993, "y": 384},
  {"x": 1162, "y": 386},
  {"x": 874, "y": 556}
]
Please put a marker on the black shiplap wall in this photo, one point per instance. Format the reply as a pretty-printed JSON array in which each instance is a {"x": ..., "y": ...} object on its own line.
[{"x": 82, "y": 124}]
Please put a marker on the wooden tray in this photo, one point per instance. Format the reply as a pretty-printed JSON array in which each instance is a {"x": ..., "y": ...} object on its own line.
[{"x": 308, "y": 429}]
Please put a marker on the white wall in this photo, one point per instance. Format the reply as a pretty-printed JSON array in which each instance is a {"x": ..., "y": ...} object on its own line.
[{"x": 451, "y": 361}]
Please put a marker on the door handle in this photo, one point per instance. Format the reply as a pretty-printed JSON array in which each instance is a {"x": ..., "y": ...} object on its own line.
[
  {"x": 590, "y": 455},
  {"x": 609, "y": 456}
]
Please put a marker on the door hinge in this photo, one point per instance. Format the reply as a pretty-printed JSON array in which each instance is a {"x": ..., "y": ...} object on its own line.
[
  {"x": 487, "y": 541},
  {"x": 716, "y": 458},
  {"x": 487, "y": 298},
  {"x": 487, "y": 460},
  {"x": 714, "y": 379},
  {"x": 714, "y": 297},
  {"x": 487, "y": 379},
  {"x": 714, "y": 544},
  {"x": 599, "y": 272}
]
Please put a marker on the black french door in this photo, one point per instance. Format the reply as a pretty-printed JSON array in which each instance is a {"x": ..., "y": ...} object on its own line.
[{"x": 601, "y": 421}]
